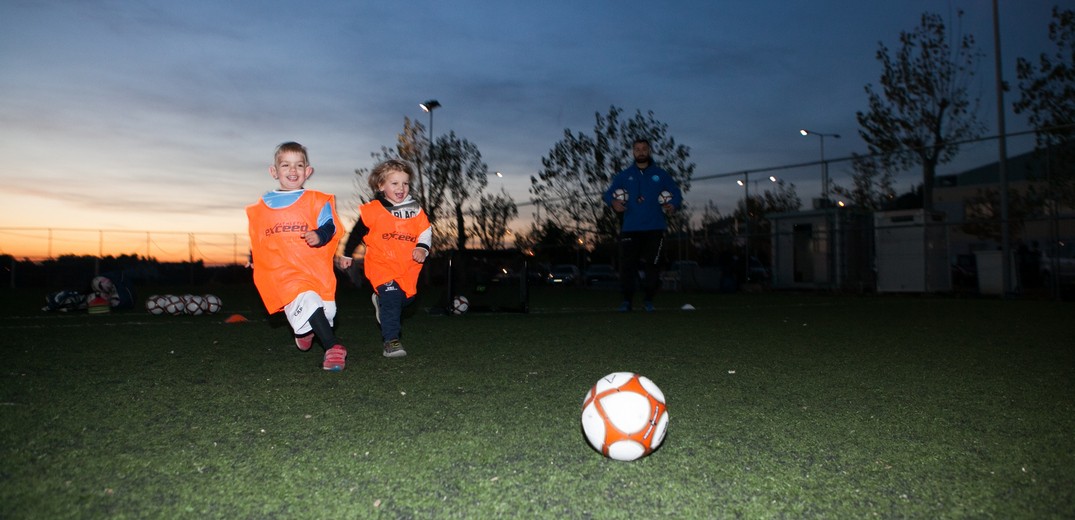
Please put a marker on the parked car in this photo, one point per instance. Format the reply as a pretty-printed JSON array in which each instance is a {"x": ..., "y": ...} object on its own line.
[
  {"x": 565, "y": 274},
  {"x": 601, "y": 274}
]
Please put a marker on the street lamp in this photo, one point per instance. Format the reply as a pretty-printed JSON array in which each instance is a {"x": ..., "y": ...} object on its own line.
[
  {"x": 428, "y": 106},
  {"x": 772, "y": 179},
  {"x": 824, "y": 165},
  {"x": 745, "y": 183}
]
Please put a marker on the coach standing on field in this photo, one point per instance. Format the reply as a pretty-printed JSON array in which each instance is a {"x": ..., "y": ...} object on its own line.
[{"x": 642, "y": 193}]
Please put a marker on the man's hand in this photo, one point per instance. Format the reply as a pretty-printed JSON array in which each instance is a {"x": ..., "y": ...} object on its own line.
[{"x": 618, "y": 206}]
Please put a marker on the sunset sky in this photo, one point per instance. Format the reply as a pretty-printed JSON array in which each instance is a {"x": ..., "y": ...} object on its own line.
[{"x": 162, "y": 116}]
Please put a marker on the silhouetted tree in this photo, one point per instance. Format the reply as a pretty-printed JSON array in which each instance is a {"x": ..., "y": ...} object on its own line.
[
  {"x": 982, "y": 213},
  {"x": 491, "y": 219},
  {"x": 872, "y": 184},
  {"x": 923, "y": 108},
  {"x": 458, "y": 177},
  {"x": 549, "y": 242},
  {"x": 1048, "y": 98}
]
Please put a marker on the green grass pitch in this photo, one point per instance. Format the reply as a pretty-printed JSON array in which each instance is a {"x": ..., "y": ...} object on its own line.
[{"x": 781, "y": 405}]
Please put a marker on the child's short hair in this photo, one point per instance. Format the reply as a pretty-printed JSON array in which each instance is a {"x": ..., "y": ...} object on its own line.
[
  {"x": 385, "y": 167},
  {"x": 291, "y": 146}
]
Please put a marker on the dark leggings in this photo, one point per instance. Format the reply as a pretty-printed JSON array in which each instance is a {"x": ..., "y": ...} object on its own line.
[{"x": 640, "y": 251}]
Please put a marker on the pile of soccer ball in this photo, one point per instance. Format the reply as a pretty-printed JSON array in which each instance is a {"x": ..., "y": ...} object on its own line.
[
  {"x": 192, "y": 304},
  {"x": 624, "y": 416}
]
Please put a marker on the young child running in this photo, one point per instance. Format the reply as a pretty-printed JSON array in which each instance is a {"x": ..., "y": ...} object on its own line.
[
  {"x": 397, "y": 236},
  {"x": 293, "y": 241}
]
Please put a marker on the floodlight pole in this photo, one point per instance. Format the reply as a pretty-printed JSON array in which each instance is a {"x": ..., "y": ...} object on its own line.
[
  {"x": 427, "y": 106},
  {"x": 1005, "y": 232},
  {"x": 824, "y": 165},
  {"x": 745, "y": 183}
]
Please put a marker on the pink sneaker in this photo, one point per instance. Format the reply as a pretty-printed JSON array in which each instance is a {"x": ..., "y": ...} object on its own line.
[
  {"x": 305, "y": 342},
  {"x": 335, "y": 358}
]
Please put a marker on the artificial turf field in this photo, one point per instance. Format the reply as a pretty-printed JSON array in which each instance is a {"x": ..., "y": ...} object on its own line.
[{"x": 782, "y": 406}]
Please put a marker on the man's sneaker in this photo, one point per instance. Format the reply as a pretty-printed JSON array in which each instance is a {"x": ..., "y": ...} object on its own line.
[
  {"x": 624, "y": 307},
  {"x": 335, "y": 359},
  {"x": 305, "y": 342},
  {"x": 393, "y": 348},
  {"x": 648, "y": 306},
  {"x": 376, "y": 307}
]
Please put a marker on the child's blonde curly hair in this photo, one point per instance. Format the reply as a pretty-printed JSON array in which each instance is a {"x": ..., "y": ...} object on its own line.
[{"x": 379, "y": 172}]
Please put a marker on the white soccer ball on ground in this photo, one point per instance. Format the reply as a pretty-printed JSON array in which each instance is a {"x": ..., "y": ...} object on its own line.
[
  {"x": 155, "y": 305},
  {"x": 212, "y": 303},
  {"x": 173, "y": 304},
  {"x": 460, "y": 305},
  {"x": 665, "y": 197},
  {"x": 624, "y": 416},
  {"x": 620, "y": 194},
  {"x": 192, "y": 304}
]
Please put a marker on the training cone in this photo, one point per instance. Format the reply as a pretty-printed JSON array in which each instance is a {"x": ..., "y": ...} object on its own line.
[{"x": 236, "y": 318}]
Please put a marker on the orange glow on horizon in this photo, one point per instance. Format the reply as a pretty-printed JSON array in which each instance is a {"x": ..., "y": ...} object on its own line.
[{"x": 39, "y": 244}]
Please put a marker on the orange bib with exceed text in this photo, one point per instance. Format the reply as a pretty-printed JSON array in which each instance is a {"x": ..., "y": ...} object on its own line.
[
  {"x": 284, "y": 264},
  {"x": 390, "y": 245}
]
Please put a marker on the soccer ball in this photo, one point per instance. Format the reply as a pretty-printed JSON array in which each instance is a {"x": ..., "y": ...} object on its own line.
[
  {"x": 192, "y": 304},
  {"x": 212, "y": 303},
  {"x": 173, "y": 304},
  {"x": 624, "y": 416},
  {"x": 155, "y": 305},
  {"x": 460, "y": 305},
  {"x": 620, "y": 194},
  {"x": 665, "y": 197}
]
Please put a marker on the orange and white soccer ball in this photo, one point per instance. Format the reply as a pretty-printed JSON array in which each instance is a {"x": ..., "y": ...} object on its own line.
[{"x": 624, "y": 416}]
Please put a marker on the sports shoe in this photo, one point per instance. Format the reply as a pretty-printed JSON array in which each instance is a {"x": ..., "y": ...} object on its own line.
[
  {"x": 648, "y": 306},
  {"x": 624, "y": 307},
  {"x": 393, "y": 348},
  {"x": 305, "y": 342},
  {"x": 335, "y": 359},
  {"x": 376, "y": 306}
]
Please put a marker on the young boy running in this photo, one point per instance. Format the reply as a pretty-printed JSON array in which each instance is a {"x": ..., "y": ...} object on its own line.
[
  {"x": 293, "y": 241},
  {"x": 397, "y": 236}
]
